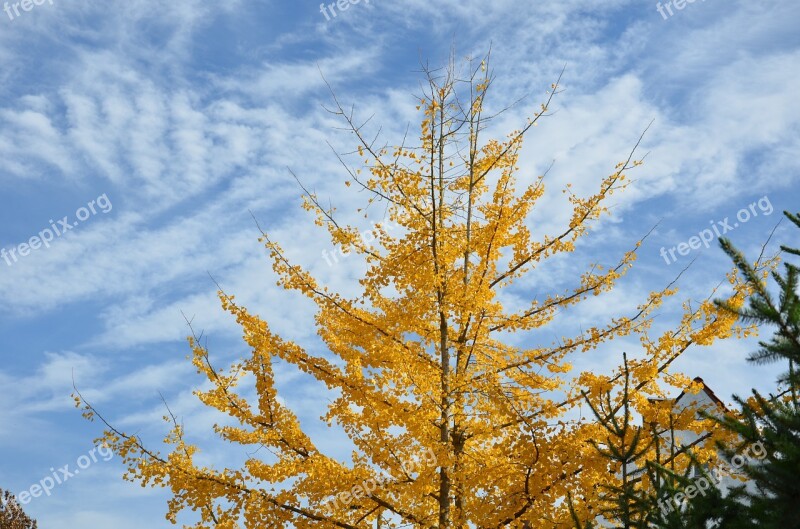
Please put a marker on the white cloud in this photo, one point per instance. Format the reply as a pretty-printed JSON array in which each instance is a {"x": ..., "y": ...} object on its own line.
[{"x": 184, "y": 151}]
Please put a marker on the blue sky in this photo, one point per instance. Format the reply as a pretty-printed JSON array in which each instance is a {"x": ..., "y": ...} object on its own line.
[{"x": 173, "y": 120}]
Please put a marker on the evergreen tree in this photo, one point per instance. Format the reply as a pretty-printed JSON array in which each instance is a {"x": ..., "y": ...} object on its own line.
[
  {"x": 773, "y": 501},
  {"x": 655, "y": 471}
]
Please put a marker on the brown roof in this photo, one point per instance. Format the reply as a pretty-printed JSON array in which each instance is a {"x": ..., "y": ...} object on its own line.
[{"x": 706, "y": 389}]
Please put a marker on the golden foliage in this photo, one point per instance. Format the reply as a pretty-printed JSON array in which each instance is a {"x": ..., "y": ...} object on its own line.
[
  {"x": 420, "y": 361},
  {"x": 11, "y": 514}
]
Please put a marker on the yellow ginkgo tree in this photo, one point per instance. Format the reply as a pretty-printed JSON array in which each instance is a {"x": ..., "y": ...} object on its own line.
[{"x": 452, "y": 426}]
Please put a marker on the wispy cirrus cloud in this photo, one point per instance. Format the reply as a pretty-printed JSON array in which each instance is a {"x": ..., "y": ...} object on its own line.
[{"x": 187, "y": 114}]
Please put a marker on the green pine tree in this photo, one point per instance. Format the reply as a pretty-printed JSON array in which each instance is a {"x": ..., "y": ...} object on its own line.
[
  {"x": 774, "y": 420},
  {"x": 650, "y": 483}
]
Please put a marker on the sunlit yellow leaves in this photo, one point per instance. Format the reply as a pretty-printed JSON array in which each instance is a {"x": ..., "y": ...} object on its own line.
[{"x": 420, "y": 361}]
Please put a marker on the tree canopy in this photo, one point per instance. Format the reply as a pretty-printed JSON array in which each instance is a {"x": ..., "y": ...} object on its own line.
[
  {"x": 11, "y": 514},
  {"x": 453, "y": 426}
]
